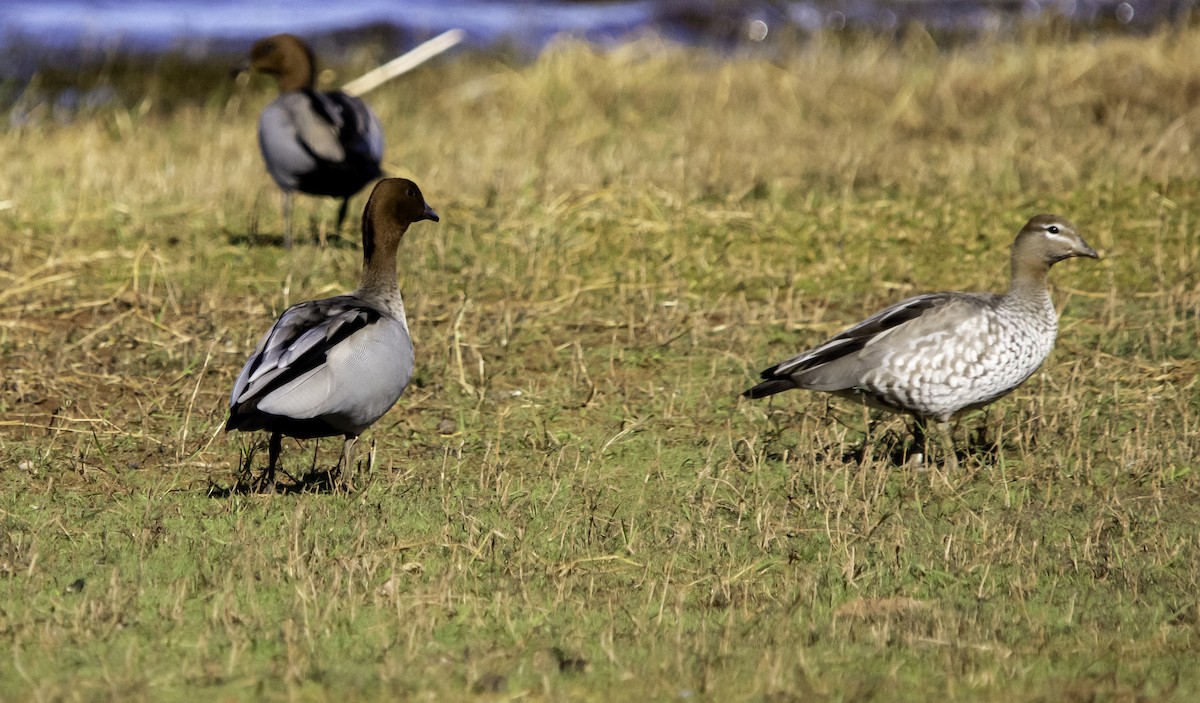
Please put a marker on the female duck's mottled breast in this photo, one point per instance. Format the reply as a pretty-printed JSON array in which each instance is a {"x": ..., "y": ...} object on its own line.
[
  {"x": 965, "y": 353},
  {"x": 936, "y": 354}
]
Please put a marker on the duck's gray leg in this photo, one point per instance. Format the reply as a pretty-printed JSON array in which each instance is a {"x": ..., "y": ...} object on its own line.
[
  {"x": 274, "y": 448},
  {"x": 942, "y": 439},
  {"x": 287, "y": 219},
  {"x": 341, "y": 215},
  {"x": 345, "y": 467},
  {"x": 946, "y": 440}
]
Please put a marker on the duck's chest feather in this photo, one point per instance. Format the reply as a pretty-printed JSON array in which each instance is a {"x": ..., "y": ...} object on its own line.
[
  {"x": 959, "y": 358},
  {"x": 331, "y": 366}
]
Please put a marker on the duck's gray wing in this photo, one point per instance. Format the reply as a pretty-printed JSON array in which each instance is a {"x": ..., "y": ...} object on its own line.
[
  {"x": 321, "y": 143},
  {"x": 297, "y": 345},
  {"x": 287, "y": 153},
  {"x": 359, "y": 130},
  {"x": 819, "y": 368}
]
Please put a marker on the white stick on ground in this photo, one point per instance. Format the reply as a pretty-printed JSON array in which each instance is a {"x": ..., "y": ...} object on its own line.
[{"x": 404, "y": 63}]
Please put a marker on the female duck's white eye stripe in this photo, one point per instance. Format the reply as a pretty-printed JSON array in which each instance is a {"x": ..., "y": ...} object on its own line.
[{"x": 1069, "y": 241}]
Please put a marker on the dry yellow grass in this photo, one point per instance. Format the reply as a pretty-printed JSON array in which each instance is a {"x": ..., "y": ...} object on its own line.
[{"x": 570, "y": 501}]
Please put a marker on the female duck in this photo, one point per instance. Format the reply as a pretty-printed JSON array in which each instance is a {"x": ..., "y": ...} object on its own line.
[
  {"x": 935, "y": 355},
  {"x": 335, "y": 366}
]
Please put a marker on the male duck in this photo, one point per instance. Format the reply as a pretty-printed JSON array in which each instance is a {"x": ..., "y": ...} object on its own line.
[
  {"x": 335, "y": 366},
  {"x": 318, "y": 143}
]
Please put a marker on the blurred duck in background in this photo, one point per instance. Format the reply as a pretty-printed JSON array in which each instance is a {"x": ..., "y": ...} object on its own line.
[{"x": 320, "y": 143}]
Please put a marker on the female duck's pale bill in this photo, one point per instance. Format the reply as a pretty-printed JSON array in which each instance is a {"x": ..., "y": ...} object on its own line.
[
  {"x": 314, "y": 142},
  {"x": 335, "y": 366},
  {"x": 935, "y": 355}
]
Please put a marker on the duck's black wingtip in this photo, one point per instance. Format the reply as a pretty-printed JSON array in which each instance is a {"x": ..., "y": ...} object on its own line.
[{"x": 771, "y": 386}]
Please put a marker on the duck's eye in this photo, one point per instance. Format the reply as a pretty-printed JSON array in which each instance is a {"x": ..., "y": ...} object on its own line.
[
  {"x": 1052, "y": 229},
  {"x": 412, "y": 193}
]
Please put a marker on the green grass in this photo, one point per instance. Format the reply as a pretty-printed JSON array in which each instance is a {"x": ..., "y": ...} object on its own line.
[{"x": 571, "y": 502}]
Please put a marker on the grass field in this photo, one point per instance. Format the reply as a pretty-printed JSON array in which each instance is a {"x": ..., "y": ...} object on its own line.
[{"x": 571, "y": 502}]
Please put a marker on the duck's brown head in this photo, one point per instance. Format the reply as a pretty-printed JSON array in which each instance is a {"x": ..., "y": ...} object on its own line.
[
  {"x": 287, "y": 58},
  {"x": 1048, "y": 239},
  {"x": 1042, "y": 242},
  {"x": 395, "y": 203}
]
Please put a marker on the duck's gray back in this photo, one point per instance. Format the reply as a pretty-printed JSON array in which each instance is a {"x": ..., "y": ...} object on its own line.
[
  {"x": 961, "y": 354},
  {"x": 301, "y": 132}
]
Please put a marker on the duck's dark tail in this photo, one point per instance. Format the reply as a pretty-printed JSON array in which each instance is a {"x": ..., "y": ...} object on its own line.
[{"x": 771, "y": 386}]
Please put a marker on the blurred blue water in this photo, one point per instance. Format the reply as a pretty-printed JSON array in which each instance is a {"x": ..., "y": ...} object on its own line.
[
  {"x": 163, "y": 23},
  {"x": 180, "y": 24}
]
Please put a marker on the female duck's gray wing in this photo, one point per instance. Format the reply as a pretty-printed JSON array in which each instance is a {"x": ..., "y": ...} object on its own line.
[
  {"x": 298, "y": 344},
  {"x": 825, "y": 367}
]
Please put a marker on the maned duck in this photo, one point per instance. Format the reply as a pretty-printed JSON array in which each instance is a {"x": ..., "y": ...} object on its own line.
[
  {"x": 335, "y": 366},
  {"x": 938, "y": 354},
  {"x": 314, "y": 142}
]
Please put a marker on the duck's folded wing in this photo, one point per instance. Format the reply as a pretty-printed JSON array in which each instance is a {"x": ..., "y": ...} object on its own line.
[
  {"x": 359, "y": 130},
  {"x": 858, "y": 337},
  {"x": 297, "y": 345},
  {"x": 319, "y": 122}
]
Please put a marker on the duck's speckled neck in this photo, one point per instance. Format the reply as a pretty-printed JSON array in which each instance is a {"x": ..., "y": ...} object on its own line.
[
  {"x": 391, "y": 301},
  {"x": 1028, "y": 298},
  {"x": 1029, "y": 281}
]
